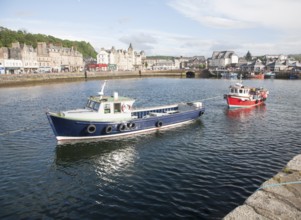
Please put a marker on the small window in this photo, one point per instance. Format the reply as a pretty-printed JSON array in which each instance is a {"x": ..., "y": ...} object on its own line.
[
  {"x": 96, "y": 106},
  {"x": 117, "y": 107},
  {"x": 91, "y": 104},
  {"x": 88, "y": 104},
  {"x": 240, "y": 91},
  {"x": 107, "y": 109}
]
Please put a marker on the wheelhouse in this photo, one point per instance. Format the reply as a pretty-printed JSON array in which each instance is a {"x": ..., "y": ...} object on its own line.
[
  {"x": 109, "y": 105},
  {"x": 239, "y": 90}
]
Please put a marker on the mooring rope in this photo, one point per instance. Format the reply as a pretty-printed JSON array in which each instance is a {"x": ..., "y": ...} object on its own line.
[
  {"x": 18, "y": 130},
  {"x": 215, "y": 97},
  {"x": 278, "y": 184}
]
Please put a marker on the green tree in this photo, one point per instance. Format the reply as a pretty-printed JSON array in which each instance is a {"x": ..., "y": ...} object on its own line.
[
  {"x": 248, "y": 56},
  {"x": 7, "y": 37}
]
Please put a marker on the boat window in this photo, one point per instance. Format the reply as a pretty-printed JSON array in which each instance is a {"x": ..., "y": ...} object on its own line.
[
  {"x": 91, "y": 104},
  {"x": 107, "y": 109},
  {"x": 117, "y": 107},
  {"x": 232, "y": 90},
  {"x": 88, "y": 104},
  {"x": 240, "y": 91},
  {"x": 96, "y": 106}
]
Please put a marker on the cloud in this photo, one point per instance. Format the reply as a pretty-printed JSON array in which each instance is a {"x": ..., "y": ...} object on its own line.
[
  {"x": 140, "y": 40},
  {"x": 123, "y": 20},
  {"x": 234, "y": 14},
  {"x": 24, "y": 14},
  {"x": 205, "y": 13}
]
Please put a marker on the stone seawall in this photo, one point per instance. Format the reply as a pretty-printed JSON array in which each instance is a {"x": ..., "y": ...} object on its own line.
[
  {"x": 277, "y": 198},
  {"x": 22, "y": 79}
]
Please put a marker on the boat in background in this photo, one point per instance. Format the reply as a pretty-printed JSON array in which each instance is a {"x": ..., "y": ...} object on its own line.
[
  {"x": 241, "y": 96},
  {"x": 293, "y": 76},
  {"x": 256, "y": 76},
  {"x": 268, "y": 75},
  {"x": 229, "y": 75},
  {"x": 114, "y": 116}
]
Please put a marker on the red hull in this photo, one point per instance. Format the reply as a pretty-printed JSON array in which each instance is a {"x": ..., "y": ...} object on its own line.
[
  {"x": 259, "y": 76},
  {"x": 236, "y": 102}
]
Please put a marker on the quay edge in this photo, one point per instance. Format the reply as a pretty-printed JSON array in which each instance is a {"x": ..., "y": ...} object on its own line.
[
  {"x": 27, "y": 79},
  {"x": 277, "y": 198}
]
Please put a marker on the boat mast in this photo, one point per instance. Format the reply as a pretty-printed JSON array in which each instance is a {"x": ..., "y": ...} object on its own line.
[{"x": 101, "y": 93}]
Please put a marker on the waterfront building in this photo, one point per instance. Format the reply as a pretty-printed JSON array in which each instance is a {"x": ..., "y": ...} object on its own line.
[
  {"x": 196, "y": 62},
  {"x": 2, "y": 70},
  {"x": 253, "y": 66},
  {"x": 222, "y": 59},
  {"x": 57, "y": 58},
  {"x": 279, "y": 57},
  {"x": 277, "y": 66},
  {"x": 13, "y": 66},
  {"x": 12, "y": 59},
  {"x": 28, "y": 57},
  {"x": 3, "y": 56},
  {"x": 124, "y": 60},
  {"x": 160, "y": 63},
  {"x": 22, "y": 58}
]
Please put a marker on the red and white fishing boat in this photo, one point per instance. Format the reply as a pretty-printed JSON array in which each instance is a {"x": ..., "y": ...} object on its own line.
[{"x": 241, "y": 96}]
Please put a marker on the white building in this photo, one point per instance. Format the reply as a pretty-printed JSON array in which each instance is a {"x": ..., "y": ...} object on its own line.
[
  {"x": 121, "y": 59},
  {"x": 280, "y": 57},
  {"x": 154, "y": 63},
  {"x": 29, "y": 59},
  {"x": 221, "y": 59},
  {"x": 13, "y": 66}
]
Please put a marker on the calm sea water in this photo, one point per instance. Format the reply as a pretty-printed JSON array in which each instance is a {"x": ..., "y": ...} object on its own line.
[{"x": 201, "y": 170}]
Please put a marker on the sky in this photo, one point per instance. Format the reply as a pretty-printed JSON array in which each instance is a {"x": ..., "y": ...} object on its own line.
[{"x": 164, "y": 27}]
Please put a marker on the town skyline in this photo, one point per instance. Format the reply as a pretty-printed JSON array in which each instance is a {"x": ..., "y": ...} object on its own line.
[{"x": 169, "y": 27}]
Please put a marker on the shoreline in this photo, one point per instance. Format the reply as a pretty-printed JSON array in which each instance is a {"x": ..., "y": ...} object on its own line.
[
  {"x": 277, "y": 198},
  {"x": 9, "y": 80}
]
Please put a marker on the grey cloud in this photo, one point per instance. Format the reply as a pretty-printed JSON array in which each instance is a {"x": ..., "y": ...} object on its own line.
[{"x": 140, "y": 41}]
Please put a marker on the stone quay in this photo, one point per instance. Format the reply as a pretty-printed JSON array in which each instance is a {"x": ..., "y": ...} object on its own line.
[
  {"x": 277, "y": 198},
  {"x": 28, "y": 79}
]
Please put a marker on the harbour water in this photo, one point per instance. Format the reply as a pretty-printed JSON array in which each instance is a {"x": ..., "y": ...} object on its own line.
[{"x": 201, "y": 170}]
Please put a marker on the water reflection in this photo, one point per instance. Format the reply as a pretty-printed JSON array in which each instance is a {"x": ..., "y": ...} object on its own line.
[
  {"x": 243, "y": 113},
  {"x": 106, "y": 159},
  {"x": 75, "y": 151}
]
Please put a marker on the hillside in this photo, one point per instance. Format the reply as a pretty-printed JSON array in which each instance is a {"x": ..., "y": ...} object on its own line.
[{"x": 8, "y": 36}]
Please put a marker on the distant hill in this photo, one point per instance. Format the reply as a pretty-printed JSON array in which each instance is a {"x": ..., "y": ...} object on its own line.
[
  {"x": 296, "y": 56},
  {"x": 7, "y": 37}
]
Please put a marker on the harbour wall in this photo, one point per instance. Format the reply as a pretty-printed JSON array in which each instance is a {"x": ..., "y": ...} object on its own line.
[
  {"x": 277, "y": 198},
  {"x": 23, "y": 79}
]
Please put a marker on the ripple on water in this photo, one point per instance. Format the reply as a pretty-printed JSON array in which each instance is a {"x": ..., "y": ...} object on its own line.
[{"x": 201, "y": 170}]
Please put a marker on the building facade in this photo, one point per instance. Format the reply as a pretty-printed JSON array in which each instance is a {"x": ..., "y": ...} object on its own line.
[
  {"x": 22, "y": 58},
  {"x": 154, "y": 63},
  {"x": 222, "y": 59},
  {"x": 59, "y": 59},
  {"x": 123, "y": 60}
]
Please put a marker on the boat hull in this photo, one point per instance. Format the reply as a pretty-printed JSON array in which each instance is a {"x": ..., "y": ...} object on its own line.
[
  {"x": 238, "y": 102},
  {"x": 68, "y": 129}
]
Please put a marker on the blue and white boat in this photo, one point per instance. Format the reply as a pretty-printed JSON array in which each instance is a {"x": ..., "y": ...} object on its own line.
[
  {"x": 114, "y": 116},
  {"x": 229, "y": 75},
  {"x": 269, "y": 74}
]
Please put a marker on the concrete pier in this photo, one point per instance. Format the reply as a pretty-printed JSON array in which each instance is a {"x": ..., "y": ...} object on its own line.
[{"x": 277, "y": 198}]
